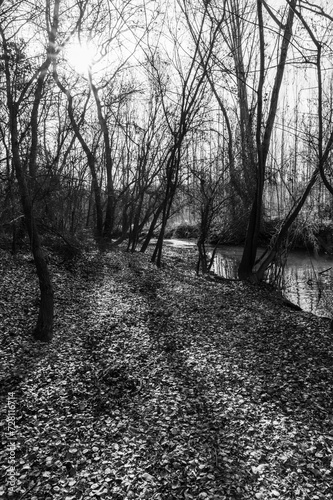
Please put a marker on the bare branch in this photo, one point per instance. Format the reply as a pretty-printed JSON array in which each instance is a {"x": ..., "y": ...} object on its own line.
[{"x": 273, "y": 16}]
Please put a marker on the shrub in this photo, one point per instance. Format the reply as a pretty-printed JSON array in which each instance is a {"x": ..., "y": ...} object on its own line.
[{"x": 183, "y": 231}]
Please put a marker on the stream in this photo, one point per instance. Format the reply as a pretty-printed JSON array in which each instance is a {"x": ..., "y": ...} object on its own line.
[{"x": 307, "y": 279}]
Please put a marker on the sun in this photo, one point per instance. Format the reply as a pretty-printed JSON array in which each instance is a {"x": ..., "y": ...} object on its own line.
[{"x": 80, "y": 55}]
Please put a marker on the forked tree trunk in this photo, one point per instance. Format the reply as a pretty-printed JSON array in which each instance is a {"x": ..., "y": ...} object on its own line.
[
  {"x": 263, "y": 138},
  {"x": 151, "y": 228}
]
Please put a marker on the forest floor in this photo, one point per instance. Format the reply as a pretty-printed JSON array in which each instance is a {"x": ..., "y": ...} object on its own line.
[{"x": 161, "y": 385}]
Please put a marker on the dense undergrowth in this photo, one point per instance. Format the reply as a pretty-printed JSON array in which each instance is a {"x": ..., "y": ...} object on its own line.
[
  {"x": 162, "y": 385},
  {"x": 304, "y": 234}
]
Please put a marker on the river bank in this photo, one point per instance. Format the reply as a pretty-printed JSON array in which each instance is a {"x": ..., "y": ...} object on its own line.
[
  {"x": 306, "y": 280},
  {"x": 163, "y": 385}
]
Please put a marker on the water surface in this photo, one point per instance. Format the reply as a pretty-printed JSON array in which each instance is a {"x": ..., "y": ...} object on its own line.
[{"x": 307, "y": 279}]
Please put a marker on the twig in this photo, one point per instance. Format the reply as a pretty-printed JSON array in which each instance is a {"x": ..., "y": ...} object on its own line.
[
  {"x": 325, "y": 271},
  {"x": 32, "y": 487}
]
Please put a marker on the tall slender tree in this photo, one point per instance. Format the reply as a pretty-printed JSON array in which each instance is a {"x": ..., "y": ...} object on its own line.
[{"x": 16, "y": 101}]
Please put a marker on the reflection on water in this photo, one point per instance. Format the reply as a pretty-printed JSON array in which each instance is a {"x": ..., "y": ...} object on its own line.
[{"x": 305, "y": 277}]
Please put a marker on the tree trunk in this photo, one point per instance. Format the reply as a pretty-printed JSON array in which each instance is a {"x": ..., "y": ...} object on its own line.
[
  {"x": 263, "y": 140},
  {"x": 110, "y": 204},
  {"x": 268, "y": 258},
  {"x": 44, "y": 328},
  {"x": 166, "y": 208},
  {"x": 151, "y": 229}
]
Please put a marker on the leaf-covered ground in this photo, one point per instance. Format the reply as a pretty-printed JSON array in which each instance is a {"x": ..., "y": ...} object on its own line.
[{"x": 162, "y": 385}]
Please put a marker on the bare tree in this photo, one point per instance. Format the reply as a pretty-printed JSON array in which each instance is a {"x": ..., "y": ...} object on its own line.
[
  {"x": 239, "y": 58},
  {"x": 16, "y": 100},
  {"x": 88, "y": 150},
  {"x": 323, "y": 150},
  {"x": 182, "y": 105},
  {"x": 324, "y": 139},
  {"x": 263, "y": 134}
]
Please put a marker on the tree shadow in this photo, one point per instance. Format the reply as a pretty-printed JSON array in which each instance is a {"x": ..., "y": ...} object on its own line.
[{"x": 282, "y": 366}]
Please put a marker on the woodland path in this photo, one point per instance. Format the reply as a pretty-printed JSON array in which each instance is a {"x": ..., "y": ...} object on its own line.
[{"x": 163, "y": 385}]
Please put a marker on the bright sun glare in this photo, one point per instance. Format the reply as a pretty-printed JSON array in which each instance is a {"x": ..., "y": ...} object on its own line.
[{"x": 80, "y": 56}]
